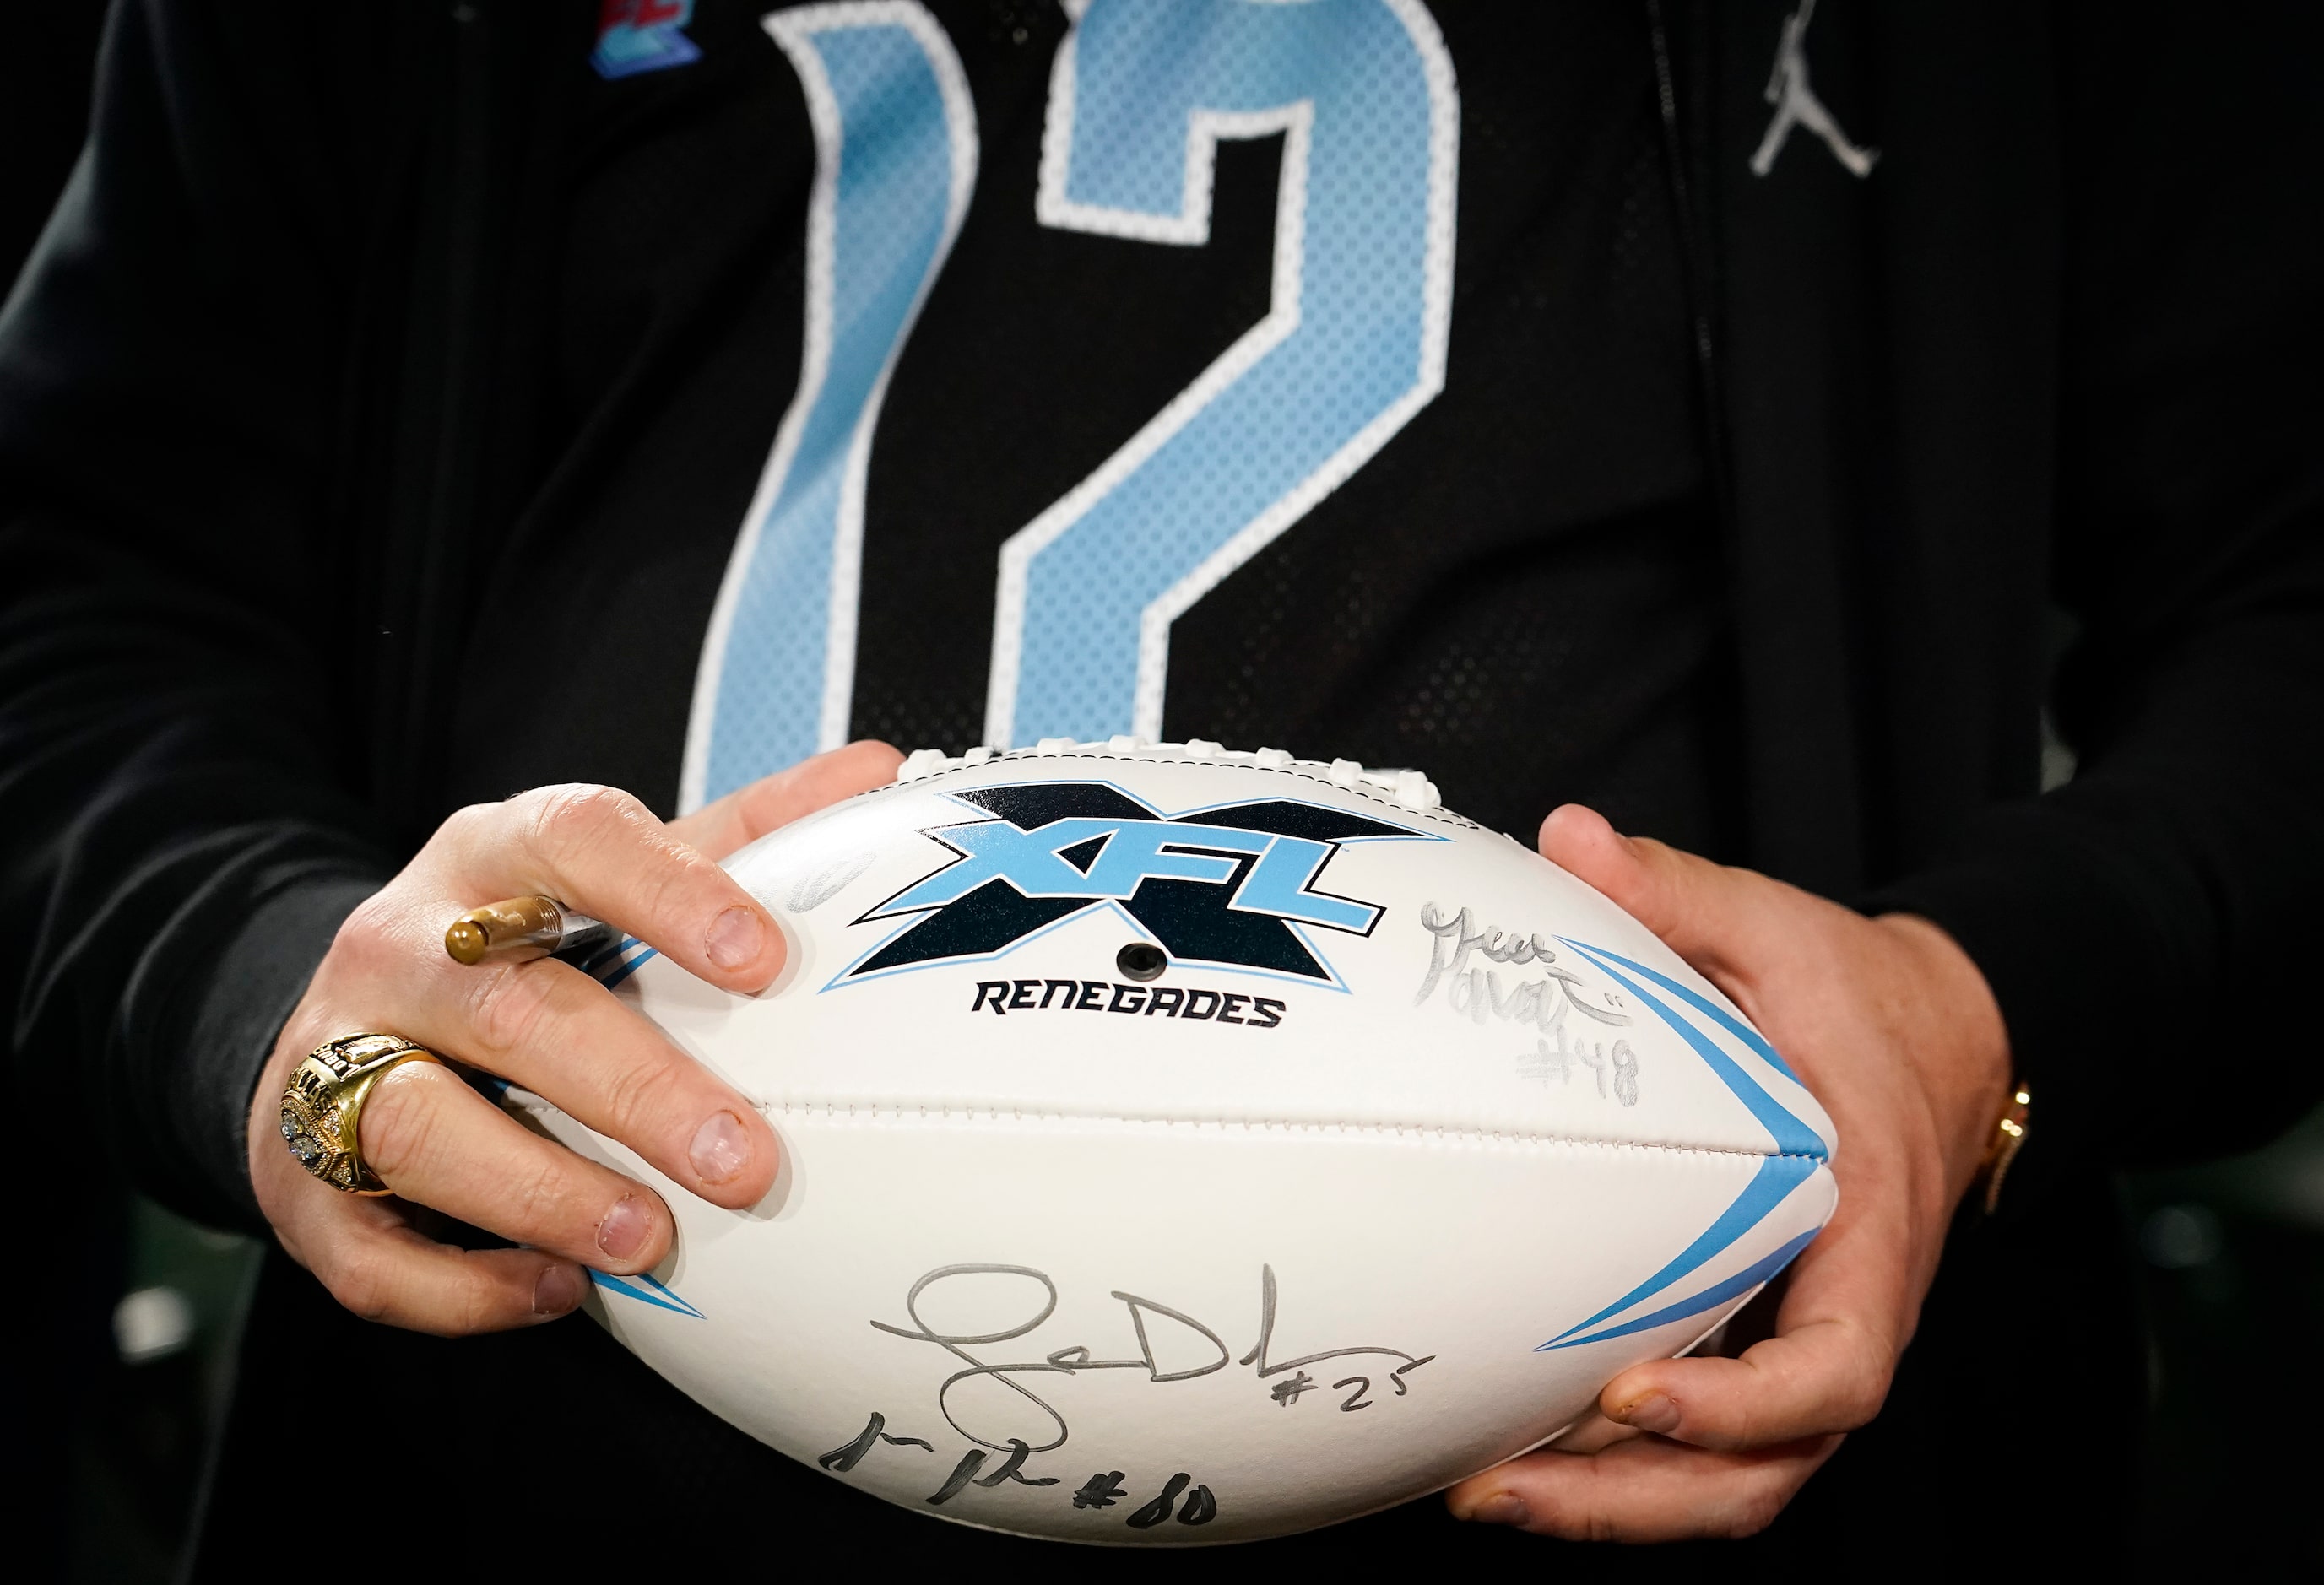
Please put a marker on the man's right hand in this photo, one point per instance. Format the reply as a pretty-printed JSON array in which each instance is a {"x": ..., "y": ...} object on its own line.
[{"x": 547, "y": 1027}]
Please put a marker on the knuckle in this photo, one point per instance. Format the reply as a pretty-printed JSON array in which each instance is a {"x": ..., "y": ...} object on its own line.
[
  {"x": 567, "y": 819},
  {"x": 464, "y": 824},
  {"x": 1866, "y": 1393},
  {"x": 399, "y": 1127},
  {"x": 1859, "y": 1383},
  {"x": 366, "y": 937},
  {"x": 538, "y": 1194},
  {"x": 1755, "y": 1510},
  {"x": 630, "y": 1093},
  {"x": 363, "y": 1284},
  {"x": 507, "y": 1009},
  {"x": 665, "y": 891},
  {"x": 484, "y": 1304}
]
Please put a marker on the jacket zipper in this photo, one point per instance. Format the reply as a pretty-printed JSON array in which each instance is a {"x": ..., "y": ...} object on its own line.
[{"x": 1697, "y": 261}]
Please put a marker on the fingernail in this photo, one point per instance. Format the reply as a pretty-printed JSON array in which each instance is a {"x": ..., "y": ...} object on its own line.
[
  {"x": 556, "y": 1290},
  {"x": 623, "y": 1231},
  {"x": 1502, "y": 1507},
  {"x": 736, "y": 937},
  {"x": 721, "y": 1148},
  {"x": 1657, "y": 1413}
]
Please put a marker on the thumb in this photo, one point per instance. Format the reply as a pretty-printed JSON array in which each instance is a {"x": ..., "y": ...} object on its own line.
[
  {"x": 1695, "y": 905},
  {"x": 749, "y": 812}
]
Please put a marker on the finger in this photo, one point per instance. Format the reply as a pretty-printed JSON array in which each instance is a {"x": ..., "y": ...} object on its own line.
[
  {"x": 1823, "y": 1376},
  {"x": 1718, "y": 918},
  {"x": 748, "y": 813},
  {"x": 603, "y": 853},
  {"x": 1645, "y": 1490},
  {"x": 380, "y": 1268},
  {"x": 553, "y": 1030},
  {"x": 1692, "y": 904},
  {"x": 1828, "y": 1368},
  {"x": 436, "y": 1142},
  {"x": 1592, "y": 1432}
]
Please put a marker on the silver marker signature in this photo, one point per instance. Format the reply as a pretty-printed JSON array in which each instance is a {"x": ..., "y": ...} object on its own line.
[
  {"x": 810, "y": 892},
  {"x": 1546, "y": 1062},
  {"x": 1478, "y": 993}
]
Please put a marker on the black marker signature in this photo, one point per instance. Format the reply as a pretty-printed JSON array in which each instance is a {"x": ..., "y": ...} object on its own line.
[
  {"x": 970, "y": 1461},
  {"x": 1065, "y": 1361},
  {"x": 841, "y": 1460},
  {"x": 1074, "y": 1358},
  {"x": 1258, "y": 1355}
]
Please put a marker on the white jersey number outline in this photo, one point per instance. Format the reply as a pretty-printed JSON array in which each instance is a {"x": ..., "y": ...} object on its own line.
[{"x": 1141, "y": 92}]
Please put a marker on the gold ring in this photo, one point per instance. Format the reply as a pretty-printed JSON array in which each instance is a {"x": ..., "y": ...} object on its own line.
[
  {"x": 322, "y": 1105},
  {"x": 2008, "y": 1139}
]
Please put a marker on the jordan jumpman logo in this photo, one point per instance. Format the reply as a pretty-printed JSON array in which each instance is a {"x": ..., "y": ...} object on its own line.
[{"x": 1796, "y": 104}]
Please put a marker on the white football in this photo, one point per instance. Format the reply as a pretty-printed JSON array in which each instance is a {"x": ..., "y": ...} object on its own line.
[{"x": 1184, "y": 1145}]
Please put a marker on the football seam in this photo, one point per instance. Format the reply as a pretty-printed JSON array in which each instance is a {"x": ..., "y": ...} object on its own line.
[
  {"x": 1441, "y": 816},
  {"x": 1421, "y": 1132}
]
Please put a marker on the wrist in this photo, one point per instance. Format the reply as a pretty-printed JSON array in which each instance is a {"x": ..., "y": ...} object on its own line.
[
  {"x": 1957, "y": 1040},
  {"x": 260, "y": 979}
]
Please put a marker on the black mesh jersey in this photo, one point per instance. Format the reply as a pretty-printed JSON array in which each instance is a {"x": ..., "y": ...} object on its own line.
[
  {"x": 1510, "y": 583},
  {"x": 278, "y": 436}
]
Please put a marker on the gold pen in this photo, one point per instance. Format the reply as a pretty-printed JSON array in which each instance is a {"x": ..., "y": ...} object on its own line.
[{"x": 520, "y": 929}]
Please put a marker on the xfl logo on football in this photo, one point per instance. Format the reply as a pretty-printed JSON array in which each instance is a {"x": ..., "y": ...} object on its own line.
[{"x": 1232, "y": 886}]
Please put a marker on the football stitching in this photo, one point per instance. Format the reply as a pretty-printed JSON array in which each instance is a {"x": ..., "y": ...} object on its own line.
[
  {"x": 1441, "y": 816},
  {"x": 1418, "y": 1131}
]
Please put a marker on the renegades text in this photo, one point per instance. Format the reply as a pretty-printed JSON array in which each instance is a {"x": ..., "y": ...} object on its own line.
[{"x": 1100, "y": 996}]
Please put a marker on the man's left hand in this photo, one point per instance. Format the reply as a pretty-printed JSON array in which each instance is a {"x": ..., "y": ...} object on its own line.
[{"x": 1894, "y": 1030}]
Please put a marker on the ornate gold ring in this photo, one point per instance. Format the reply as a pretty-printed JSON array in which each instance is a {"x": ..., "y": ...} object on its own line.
[{"x": 322, "y": 1105}]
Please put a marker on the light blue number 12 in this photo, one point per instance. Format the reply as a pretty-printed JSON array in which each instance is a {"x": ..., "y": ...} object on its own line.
[{"x": 1141, "y": 93}]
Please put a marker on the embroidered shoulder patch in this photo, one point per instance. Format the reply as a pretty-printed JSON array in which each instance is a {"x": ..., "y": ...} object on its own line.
[{"x": 643, "y": 36}]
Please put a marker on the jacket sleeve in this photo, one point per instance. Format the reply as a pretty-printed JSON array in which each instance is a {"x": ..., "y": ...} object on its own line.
[
  {"x": 2151, "y": 927},
  {"x": 179, "y": 781}
]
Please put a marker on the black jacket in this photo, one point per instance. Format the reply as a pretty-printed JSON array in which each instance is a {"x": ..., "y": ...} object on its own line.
[{"x": 2025, "y": 420}]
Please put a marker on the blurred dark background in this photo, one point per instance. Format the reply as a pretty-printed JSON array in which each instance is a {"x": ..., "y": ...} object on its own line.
[
  {"x": 114, "y": 1404},
  {"x": 44, "y": 77}
]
